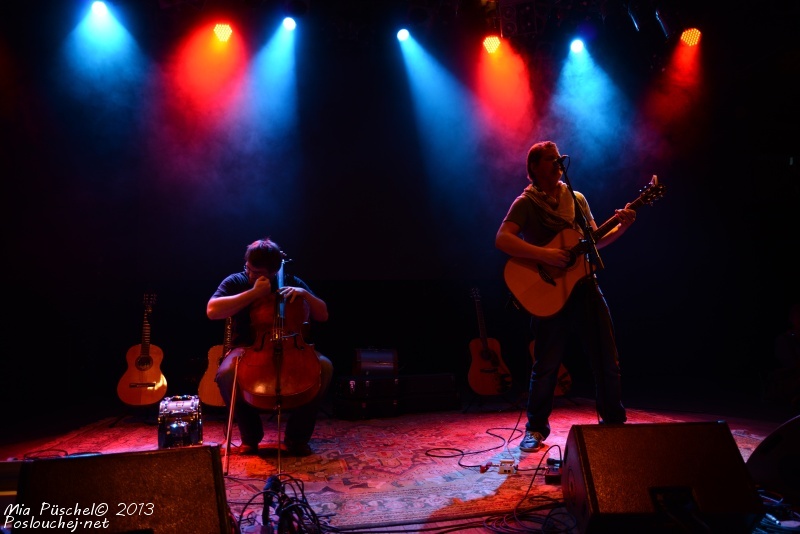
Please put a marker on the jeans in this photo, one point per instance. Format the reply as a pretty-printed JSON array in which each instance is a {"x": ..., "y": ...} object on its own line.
[{"x": 585, "y": 316}]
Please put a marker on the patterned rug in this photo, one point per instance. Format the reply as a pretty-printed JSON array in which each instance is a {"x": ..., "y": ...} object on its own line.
[{"x": 406, "y": 469}]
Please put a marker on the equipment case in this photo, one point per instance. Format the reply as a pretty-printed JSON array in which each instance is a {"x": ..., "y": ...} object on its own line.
[{"x": 360, "y": 397}]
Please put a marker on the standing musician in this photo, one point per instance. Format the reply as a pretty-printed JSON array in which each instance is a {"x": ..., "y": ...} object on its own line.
[
  {"x": 546, "y": 207},
  {"x": 249, "y": 298}
]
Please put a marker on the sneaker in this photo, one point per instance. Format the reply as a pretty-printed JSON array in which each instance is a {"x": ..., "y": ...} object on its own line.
[{"x": 532, "y": 442}]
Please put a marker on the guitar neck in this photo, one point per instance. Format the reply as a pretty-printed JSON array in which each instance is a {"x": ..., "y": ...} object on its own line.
[
  {"x": 146, "y": 337},
  {"x": 148, "y": 308},
  {"x": 481, "y": 323},
  {"x": 649, "y": 195},
  {"x": 610, "y": 224}
]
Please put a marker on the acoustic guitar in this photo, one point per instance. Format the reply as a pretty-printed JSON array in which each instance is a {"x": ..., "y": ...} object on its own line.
[
  {"x": 488, "y": 374},
  {"x": 143, "y": 382},
  {"x": 208, "y": 391},
  {"x": 542, "y": 289}
]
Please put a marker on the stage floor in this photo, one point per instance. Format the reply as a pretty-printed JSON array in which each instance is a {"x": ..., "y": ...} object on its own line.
[{"x": 404, "y": 472}]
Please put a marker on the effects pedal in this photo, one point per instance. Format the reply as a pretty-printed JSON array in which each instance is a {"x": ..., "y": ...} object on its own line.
[
  {"x": 552, "y": 475},
  {"x": 506, "y": 467}
]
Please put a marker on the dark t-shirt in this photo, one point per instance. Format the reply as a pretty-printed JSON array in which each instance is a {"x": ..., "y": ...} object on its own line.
[{"x": 241, "y": 333}]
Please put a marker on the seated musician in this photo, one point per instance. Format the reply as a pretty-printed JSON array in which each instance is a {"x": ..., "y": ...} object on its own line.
[{"x": 249, "y": 298}]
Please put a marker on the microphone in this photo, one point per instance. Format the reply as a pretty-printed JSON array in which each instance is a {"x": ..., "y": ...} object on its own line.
[{"x": 560, "y": 161}]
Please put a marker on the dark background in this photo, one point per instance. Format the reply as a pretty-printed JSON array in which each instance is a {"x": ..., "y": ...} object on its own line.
[{"x": 698, "y": 287}]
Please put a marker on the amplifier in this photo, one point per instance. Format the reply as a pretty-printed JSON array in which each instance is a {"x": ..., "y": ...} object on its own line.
[
  {"x": 375, "y": 362},
  {"x": 180, "y": 422}
]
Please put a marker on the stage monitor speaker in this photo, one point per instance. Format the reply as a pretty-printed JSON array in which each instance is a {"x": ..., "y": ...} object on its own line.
[
  {"x": 166, "y": 491},
  {"x": 775, "y": 464},
  {"x": 658, "y": 478}
]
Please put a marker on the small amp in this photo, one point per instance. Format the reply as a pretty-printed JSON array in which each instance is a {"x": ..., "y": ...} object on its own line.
[{"x": 180, "y": 422}]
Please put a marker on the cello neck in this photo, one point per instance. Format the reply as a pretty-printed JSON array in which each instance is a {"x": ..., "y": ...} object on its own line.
[{"x": 280, "y": 305}]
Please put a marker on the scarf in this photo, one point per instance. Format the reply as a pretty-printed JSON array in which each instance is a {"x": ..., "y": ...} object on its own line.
[{"x": 556, "y": 213}]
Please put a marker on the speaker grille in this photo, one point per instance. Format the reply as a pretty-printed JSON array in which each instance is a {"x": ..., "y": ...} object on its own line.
[
  {"x": 646, "y": 476},
  {"x": 168, "y": 491}
]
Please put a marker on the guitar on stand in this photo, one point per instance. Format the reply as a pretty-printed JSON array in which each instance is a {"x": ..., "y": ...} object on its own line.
[
  {"x": 143, "y": 382},
  {"x": 488, "y": 374},
  {"x": 208, "y": 391},
  {"x": 543, "y": 290}
]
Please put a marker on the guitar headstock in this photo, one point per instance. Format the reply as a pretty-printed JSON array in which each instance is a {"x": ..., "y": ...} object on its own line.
[
  {"x": 149, "y": 300},
  {"x": 652, "y": 191}
]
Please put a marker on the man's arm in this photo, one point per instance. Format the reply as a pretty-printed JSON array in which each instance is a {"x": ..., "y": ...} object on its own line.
[
  {"x": 317, "y": 308},
  {"x": 626, "y": 217},
  {"x": 225, "y": 306},
  {"x": 509, "y": 241}
]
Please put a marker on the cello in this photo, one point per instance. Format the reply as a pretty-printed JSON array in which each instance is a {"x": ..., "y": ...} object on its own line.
[{"x": 280, "y": 370}]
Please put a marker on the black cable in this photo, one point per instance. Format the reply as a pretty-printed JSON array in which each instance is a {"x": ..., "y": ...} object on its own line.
[
  {"x": 780, "y": 516},
  {"x": 286, "y": 510}
]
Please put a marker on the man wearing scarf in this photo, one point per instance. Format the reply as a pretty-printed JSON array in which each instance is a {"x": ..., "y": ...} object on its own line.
[{"x": 545, "y": 208}]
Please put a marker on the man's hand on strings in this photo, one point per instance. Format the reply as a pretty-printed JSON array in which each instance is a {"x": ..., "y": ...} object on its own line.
[{"x": 626, "y": 216}]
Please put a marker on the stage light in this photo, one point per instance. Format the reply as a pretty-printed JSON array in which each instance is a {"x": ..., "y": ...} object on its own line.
[
  {"x": 289, "y": 23},
  {"x": 576, "y": 46},
  {"x": 491, "y": 43},
  {"x": 223, "y": 32},
  {"x": 402, "y": 35},
  {"x": 691, "y": 36},
  {"x": 635, "y": 13},
  {"x": 664, "y": 23},
  {"x": 99, "y": 8}
]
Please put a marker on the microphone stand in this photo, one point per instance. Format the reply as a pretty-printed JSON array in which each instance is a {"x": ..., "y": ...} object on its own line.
[{"x": 589, "y": 241}]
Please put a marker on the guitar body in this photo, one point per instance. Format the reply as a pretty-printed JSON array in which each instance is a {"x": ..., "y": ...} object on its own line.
[
  {"x": 143, "y": 383},
  {"x": 541, "y": 289},
  {"x": 488, "y": 374},
  {"x": 208, "y": 391}
]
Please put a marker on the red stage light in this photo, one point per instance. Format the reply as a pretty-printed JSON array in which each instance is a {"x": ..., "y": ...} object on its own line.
[
  {"x": 691, "y": 36},
  {"x": 491, "y": 43},
  {"x": 223, "y": 32}
]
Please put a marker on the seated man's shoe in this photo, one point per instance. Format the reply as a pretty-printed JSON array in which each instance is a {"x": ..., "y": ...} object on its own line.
[
  {"x": 298, "y": 449},
  {"x": 531, "y": 442},
  {"x": 248, "y": 449}
]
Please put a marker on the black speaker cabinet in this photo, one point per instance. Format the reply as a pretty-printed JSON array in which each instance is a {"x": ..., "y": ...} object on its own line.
[
  {"x": 168, "y": 491},
  {"x": 658, "y": 477},
  {"x": 775, "y": 464}
]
